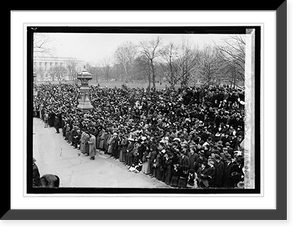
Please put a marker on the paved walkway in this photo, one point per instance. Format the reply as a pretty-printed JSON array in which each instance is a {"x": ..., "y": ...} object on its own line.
[{"x": 54, "y": 155}]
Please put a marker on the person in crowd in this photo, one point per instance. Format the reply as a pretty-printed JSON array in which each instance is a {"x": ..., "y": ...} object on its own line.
[
  {"x": 152, "y": 160},
  {"x": 205, "y": 175},
  {"x": 219, "y": 172},
  {"x": 77, "y": 136},
  {"x": 167, "y": 164},
  {"x": 114, "y": 146},
  {"x": 110, "y": 139},
  {"x": 56, "y": 123},
  {"x": 46, "y": 120},
  {"x": 124, "y": 145},
  {"x": 175, "y": 172},
  {"x": 36, "y": 181},
  {"x": 92, "y": 146},
  {"x": 184, "y": 165},
  {"x": 84, "y": 146},
  {"x": 130, "y": 151},
  {"x": 145, "y": 160}
]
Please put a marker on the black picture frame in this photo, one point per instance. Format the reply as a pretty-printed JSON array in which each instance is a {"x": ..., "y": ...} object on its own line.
[{"x": 280, "y": 213}]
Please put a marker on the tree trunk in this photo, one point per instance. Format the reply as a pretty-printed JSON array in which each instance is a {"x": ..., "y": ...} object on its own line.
[
  {"x": 149, "y": 79},
  {"x": 153, "y": 73},
  {"x": 234, "y": 78}
]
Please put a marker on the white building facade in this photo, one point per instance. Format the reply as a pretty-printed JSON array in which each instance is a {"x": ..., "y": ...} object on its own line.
[{"x": 55, "y": 68}]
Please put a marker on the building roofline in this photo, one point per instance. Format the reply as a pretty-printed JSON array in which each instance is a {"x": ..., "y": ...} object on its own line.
[{"x": 55, "y": 58}]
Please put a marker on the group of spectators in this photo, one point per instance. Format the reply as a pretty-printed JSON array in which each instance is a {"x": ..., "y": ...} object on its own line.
[{"x": 186, "y": 137}]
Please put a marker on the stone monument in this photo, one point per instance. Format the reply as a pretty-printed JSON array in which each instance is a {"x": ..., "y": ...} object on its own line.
[{"x": 84, "y": 101}]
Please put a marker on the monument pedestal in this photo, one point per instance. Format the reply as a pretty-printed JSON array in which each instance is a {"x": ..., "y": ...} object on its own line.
[{"x": 84, "y": 100}]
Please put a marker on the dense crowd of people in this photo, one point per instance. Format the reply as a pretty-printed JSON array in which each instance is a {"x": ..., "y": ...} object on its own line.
[{"x": 186, "y": 137}]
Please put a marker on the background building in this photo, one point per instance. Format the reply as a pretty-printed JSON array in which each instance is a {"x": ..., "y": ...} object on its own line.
[{"x": 56, "y": 68}]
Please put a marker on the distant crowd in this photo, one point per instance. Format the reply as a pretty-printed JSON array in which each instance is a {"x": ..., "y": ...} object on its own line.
[{"x": 188, "y": 137}]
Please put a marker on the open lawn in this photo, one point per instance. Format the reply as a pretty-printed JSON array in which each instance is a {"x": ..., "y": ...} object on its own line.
[{"x": 112, "y": 84}]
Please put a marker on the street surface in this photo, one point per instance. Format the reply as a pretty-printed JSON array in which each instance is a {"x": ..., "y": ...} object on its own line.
[{"x": 54, "y": 155}]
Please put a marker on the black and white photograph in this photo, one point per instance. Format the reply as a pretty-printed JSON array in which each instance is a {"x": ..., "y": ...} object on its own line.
[{"x": 143, "y": 109}]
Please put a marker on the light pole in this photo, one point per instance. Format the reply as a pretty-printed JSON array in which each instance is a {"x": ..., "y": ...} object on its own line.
[{"x": 84, "y": 102}]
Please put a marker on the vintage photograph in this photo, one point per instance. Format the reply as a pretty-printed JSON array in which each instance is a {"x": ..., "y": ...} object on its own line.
[{"x": 169, "y": 109}]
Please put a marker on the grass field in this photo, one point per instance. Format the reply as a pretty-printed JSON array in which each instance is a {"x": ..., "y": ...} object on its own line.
[
  {"x": 112, "y": 84},
  {"x": 131, "y": 85}
]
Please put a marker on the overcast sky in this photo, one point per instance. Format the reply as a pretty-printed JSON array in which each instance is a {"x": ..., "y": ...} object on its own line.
[{"x": 93, "y": 48}]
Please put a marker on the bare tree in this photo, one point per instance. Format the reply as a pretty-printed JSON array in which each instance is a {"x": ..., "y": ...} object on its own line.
[
  {"x": 170, "y": 66},
  {"x": 187, "y": 63},
  {"x": 208, "y": 66},
  {"x": 232, "y": 53},
  {"x": 41, "y": 44},
  {"x": 57, "y": 72},
  {"x": 72, "y": 69},
  {"x": 125, "y": 55},
  {"x": 106, "y": 68},
  {"x": 40, "y": 72},
  {"x": 150, "y": 49},
  {"x": 142, "y": 70}
]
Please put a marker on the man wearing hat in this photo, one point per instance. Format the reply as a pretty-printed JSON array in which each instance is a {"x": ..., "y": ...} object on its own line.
[
  {"x": 56, "y": 123},
  {"x": 114, "y": 146},
  {"x": 184, "y": 166},
  {"x": 230, "y": 169},
  {"x": 219, "y": 171},
  {"x": 129, "y": 151}
]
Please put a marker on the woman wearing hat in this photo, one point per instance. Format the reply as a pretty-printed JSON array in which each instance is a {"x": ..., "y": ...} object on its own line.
[
  {"x": 152, "y": 160},
  {"x": 84, "y": 146},
  {"x": 123, "y": 148},
  {"x": 146, "y": 162},
  {"x": 102, "y": 139},
  {"x": 109, "y": 141},
  {"x": 92, "y": 146}
]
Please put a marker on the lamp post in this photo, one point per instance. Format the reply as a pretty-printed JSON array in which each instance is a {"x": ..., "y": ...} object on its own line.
[{"x": 84, "y": 101}]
